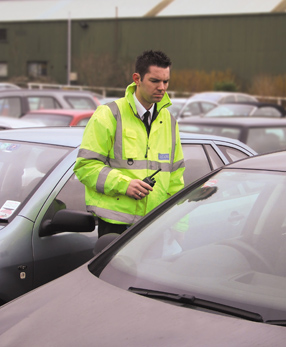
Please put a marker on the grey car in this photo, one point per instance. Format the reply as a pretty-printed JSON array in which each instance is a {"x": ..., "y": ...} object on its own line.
[
  {"x": 263, "y": 134},
  {"x": 16, "y": 103},
  {"x": 205, "y": 268},
  {"x": 45, "y": 229}
]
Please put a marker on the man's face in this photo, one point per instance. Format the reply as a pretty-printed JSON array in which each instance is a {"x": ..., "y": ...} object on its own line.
[{"x": 153, "y": 86}]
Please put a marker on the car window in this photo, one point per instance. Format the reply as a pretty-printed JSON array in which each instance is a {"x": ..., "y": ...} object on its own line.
[
  {"x": 264, "y": 140},
  {"x": 232, "y": 154},
  {"x": 193, "y": 108},
  {"x": 80, "y": 102},
  {"x": 83, "y": 122},
  {"x": 224, "y": 131},
  {"x": 23, "y": 167},
  {"x": 49, "y": 119},
  {"x": 196, "y": 162},
  {"x": 42, "y": 102},
  {"x": 230, "y": 110},
  {"x": 71, "y": 197},
  {"x": 221, "y": 241},
  {"x": 73, "y": 194},
  {"x": 10, "y": 107},
  {"x": 242, "y": 98},
  {"x": 267, "y": 112},
  {"x": 206, "y": 106},
  {"x": 226, "y": 99}
]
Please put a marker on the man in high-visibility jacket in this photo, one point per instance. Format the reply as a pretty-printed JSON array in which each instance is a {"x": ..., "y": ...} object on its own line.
[{"x": 119, "y": 150}]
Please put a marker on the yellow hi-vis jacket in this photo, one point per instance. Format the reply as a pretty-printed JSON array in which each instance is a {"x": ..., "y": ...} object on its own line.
[{"x": 116, "y": 149}]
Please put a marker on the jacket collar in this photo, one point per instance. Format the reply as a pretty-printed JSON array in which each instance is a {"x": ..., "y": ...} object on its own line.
[{"x": 165, "y": 102}]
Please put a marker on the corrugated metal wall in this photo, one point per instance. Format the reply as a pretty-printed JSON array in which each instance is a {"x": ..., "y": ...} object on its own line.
[{"x": 249, "y": 45}]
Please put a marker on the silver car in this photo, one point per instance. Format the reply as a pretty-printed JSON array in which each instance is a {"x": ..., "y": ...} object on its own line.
[{"x": 16, "y": 103}]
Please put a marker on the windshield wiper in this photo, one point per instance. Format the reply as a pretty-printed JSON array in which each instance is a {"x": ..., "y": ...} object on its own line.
[
  {"x": 281, "y": 322},
  {"x": 193, "y": 301}
]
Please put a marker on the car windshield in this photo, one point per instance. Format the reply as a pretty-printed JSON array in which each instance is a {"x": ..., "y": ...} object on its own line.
[
  {"x": 50, "y": 119},
  {"x": 22, "y": 167},
  {"x": 224, "y": 241},
  {"x": 230, "y": 110}
]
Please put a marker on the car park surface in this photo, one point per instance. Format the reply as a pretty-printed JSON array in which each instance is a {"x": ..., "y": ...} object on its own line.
[
  {"x": 250, "y": 109},
  {"x": 42, "y": 204},
  {"x": 59, "y": 117},
  {"x": 262, "y": 134},
  {"x": 15, "y": 103},
  {"x": 206, "y": 268}
]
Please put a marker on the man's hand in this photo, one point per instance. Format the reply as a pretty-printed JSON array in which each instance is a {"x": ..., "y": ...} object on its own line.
[{"x": 138, "y": 189}]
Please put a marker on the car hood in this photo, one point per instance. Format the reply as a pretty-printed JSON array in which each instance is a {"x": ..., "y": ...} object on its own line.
[{"x": 79, "y": 309}]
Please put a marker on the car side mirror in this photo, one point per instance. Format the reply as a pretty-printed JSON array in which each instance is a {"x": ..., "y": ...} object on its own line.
[{"x": 68, "y": 221}]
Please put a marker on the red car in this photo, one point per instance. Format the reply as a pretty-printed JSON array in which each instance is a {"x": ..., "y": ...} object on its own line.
[{"x": 60, "y": 117}]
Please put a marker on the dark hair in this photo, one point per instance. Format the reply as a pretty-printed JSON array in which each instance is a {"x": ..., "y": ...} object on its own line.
[{"x": 151, "y": 58}]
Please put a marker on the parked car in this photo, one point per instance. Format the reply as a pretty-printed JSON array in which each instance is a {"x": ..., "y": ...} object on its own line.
[
  {"x": 195, "y": 107},
  {"x": 177, "y": 105},
  {"x": 224, "y": 97},
  {"x": 42, "y": 204},
  {"x": 8, "y": 86},
  {"x": 260, "y": 133},
  {"x": 205, "y": 268},
  {"x": 247, "y": 109},
  {"x": 15, "y": 103},
  {"x": 59, "y": 117},
  {"x": 11, "y": 123}
]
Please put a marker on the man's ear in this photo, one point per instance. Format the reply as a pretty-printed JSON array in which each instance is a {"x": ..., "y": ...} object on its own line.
[{"x": 136, "y": 78}]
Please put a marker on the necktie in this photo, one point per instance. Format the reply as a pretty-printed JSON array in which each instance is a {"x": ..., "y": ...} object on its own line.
[{"x": 146, "y": 121}]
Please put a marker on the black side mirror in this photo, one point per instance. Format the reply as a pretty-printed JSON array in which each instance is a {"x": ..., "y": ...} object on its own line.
[{"x": 68, "y": 220}]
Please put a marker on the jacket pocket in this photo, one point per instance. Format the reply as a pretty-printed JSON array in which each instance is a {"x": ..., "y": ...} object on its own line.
[{"x": 130, "y": 143}]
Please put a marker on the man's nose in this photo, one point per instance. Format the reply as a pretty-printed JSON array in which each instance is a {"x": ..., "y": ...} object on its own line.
[{"x": 161, "y": 85}]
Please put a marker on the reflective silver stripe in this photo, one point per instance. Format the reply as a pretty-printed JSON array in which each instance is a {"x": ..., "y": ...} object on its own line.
[
  {"x": 140, "y": 165},
  {"x": 88, "y": 154},
  {"x": 114, "y": 109},
  {"x": 102, "y": 178},
  {"x": 173, "y": 127},
  {"x": 178, "y": 165},
  {"x": 118, "y": 134},
  {"x": 114, "y": 215}
]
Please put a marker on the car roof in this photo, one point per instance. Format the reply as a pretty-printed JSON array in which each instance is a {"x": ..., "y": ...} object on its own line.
[
  {"x": 257, "y": 104},
  {"x": 275, "y": 161},
  {"x": 61, "y": 136},
  {"x": 207, "y": 137},
  {"x": 217, "y": 95},
  {"x": 72, "y": 136},
  {"x": 64, "y": 112},
  {"x": 236, "y": 121}
]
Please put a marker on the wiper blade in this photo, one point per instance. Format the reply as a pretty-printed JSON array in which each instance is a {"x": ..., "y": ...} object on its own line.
[
  {"x": 193, "y": 301},
  {"x": 281, "y": 322}
]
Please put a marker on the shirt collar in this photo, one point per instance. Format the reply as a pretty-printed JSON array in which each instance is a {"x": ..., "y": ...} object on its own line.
[{"x": 140, "y": 108}]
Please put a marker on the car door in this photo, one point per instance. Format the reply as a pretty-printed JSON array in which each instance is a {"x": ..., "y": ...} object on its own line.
[{"x": 58, "y": 254}]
